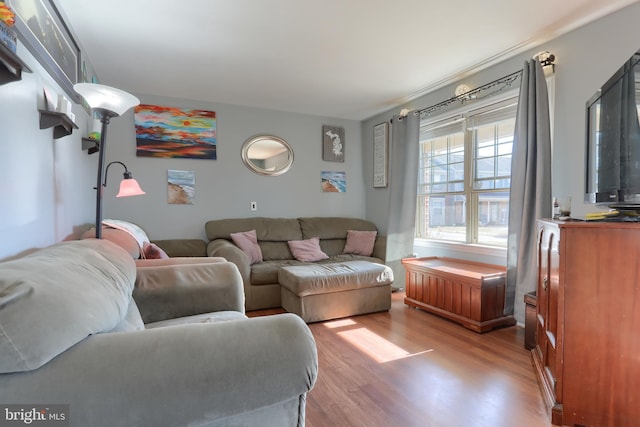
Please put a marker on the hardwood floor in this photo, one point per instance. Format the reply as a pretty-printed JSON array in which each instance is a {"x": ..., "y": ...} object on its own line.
[{"x": 407, "y": 367}]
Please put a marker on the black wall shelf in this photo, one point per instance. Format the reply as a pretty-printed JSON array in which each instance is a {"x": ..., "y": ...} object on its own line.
[
  {"x": 62, "y": 125},
  {"x": 11, "y": 67}
]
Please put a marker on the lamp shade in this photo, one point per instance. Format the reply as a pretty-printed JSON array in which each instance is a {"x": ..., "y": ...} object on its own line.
[
  {"x": 101, "y": 97},
  {"x": 129, "y": 187}
]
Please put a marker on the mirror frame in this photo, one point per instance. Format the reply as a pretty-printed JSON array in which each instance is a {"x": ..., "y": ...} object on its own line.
[{"x": 262, "y": 137}]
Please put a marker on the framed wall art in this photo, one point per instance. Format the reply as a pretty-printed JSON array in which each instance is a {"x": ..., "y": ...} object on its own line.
[
  {"x": 334, "y": 182},
  {"x": 176, "y": 133},
  {"x": 181, "y": 187},
  {"x": 380, "y": 154},
  {"x": 333, "y": 143},
  {"x": 41, "y": 28}
]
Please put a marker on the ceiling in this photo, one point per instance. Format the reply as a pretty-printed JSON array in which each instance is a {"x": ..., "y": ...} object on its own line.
[{"x": 337, "y": 58}]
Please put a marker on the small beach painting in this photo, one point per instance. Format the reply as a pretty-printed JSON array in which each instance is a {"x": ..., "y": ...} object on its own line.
[
  {"x": 334, "y": 182},
  {"x": 175, "y": 133},
  {"x": 181, "y": 187}
]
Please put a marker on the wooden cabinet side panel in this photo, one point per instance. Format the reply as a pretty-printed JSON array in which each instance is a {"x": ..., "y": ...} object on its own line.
[
  {"x": 602, "y": 323},
  {"x": 546, "y": 350},
  {"x": 555, "y": 312}
]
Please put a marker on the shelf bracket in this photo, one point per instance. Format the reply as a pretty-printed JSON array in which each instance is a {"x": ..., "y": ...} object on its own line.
[
  {"x": 62, "y": 125},
  {"x": 11, "y": 66},
  {"x": 91, "y": 145}
]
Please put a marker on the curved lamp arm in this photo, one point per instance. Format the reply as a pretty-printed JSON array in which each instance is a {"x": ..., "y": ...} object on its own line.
[{"x": 128, "y": 185}]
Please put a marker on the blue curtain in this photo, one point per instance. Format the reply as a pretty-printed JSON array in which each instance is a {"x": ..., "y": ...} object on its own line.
[{"x": 530, "y": 197}]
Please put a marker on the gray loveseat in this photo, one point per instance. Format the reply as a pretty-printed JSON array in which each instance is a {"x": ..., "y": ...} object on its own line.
[
  {"x": 261, "y": 285},
  {"x": 72, "y": 334}
]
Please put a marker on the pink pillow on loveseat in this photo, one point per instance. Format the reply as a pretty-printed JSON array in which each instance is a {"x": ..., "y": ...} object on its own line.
[
  {"x": 307, "y": 250},
  {"x": 360, "y": 242},
  {"x": 248, "y": 242}
]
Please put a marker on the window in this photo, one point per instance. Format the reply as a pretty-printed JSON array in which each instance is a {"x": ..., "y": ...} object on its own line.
[{"x": 465, "y": 174}]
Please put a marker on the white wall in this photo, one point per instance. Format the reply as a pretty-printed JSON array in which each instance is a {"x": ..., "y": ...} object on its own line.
[
  {"x": 43, "y": 182},
  {"x": 588, "y": 57},
  {"x": 225, "y": 187}
]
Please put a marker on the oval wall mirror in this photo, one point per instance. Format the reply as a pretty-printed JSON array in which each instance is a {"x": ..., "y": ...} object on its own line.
[{"x": 267, "y": 155}]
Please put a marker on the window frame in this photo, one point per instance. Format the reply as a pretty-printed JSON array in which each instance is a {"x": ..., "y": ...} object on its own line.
[{"x": 493, "y": 103}]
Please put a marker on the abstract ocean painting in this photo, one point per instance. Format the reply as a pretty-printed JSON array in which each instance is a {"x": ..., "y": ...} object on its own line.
[
  {"x": 171, "y": 132},
  {"x": 334, "y": 182}
]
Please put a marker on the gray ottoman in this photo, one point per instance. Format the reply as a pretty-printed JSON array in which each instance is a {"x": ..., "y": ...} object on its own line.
[{"x": 318, "y": 292}]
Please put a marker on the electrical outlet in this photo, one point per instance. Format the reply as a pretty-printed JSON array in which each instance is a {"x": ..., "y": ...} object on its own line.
[{"x": 254, "y": 206}]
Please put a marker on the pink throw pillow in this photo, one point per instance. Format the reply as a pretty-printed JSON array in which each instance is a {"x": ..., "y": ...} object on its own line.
[
  {"x": 248, "y": 242},
  {"x": 360, "y": 242},
  {"x": 153, "y": 251},
  {"x": 307, "y": 250}
]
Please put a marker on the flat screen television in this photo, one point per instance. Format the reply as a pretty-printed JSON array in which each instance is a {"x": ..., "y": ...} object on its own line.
[{"x": 613, "y": 141}]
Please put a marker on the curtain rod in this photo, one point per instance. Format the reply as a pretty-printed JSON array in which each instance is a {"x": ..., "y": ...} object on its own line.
[{"x": 505, "y": 81}]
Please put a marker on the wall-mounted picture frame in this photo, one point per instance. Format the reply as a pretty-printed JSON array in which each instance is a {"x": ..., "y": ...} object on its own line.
[
  {"x": 334, "y": 182},
  {"x": 175, "y": 133},
  {"x": 181, "y": 187},
  {"x": 380, "y": 155},
  {"x": 42, "y": 30},
  {"x": 333, "y": 143}
]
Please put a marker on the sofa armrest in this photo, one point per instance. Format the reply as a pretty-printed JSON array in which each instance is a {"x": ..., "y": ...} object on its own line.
[
  {"x": 183, "y": 247},
  {"x": 177, "y": 261},
  {"x": 229, "y": 251},
  {"x": 380, "y": 248},
  {"x": 180, "y": 375},
  {"x": 170, "y": 291}
]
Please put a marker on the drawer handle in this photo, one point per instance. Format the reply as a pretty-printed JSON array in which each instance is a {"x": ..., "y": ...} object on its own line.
[{"x": 545, "y": 281}]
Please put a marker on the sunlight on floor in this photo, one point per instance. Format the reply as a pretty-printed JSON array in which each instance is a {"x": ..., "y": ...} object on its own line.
[
  {"x": 339, "y": 323},
  {"x": 371, "y": 344}
]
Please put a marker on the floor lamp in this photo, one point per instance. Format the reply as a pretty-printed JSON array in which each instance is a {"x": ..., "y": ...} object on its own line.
[{"x": 107, "y": 102}]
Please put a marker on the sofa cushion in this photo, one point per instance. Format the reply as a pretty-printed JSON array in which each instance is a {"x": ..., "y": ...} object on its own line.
[
  {"x": 360, "y": 242},
  {"x": 267, "y": 229},
  {"x": 266, "y": 273},
  {"x": 332, "y": 227},
  {"x": 215, "y": 317},
  {"x": 182, "y": 247},
  {"x": 55, "y": 297},
  {"x": 313, "y": 279},
  {"x": 307, "y": 250},
  {"x": 248, "y": 242},
  {"x": 132, "y": 320}
]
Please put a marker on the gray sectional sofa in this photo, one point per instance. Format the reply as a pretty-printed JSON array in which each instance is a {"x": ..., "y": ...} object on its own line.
[
  {"x": 350, "y": 278},
  {"x": 261, "y": 283},
  {"x": 71, "y": 334}
]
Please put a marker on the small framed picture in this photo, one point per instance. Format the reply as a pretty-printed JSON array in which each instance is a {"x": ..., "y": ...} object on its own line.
[
  {"x": 334, "y": 182},
  {"x": 333, "y": 143},
  {"x": 181, "y": 187},
  {"x": 380, "y": 154}
]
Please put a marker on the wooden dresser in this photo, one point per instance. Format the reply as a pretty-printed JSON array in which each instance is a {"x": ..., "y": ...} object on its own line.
[{"x": 587, "y": 353}]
